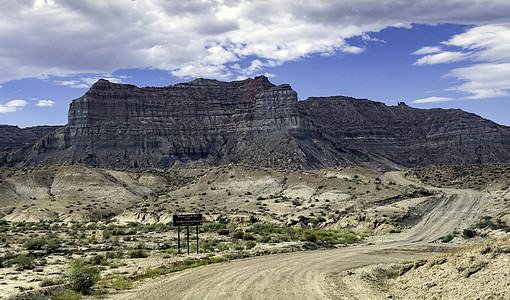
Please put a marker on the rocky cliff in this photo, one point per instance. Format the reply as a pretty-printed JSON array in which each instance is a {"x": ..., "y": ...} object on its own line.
[
  {"x": 409, "y": 136},
  {"x": 13, "y": 137},
  {"x": 208, "y": 122}
]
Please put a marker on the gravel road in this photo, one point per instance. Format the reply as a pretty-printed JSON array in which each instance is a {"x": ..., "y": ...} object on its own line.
[{"x": 315, "y": 274}]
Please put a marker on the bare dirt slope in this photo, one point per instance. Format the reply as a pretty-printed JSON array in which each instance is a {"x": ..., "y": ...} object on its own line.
[{"x": 318, "y": 274}]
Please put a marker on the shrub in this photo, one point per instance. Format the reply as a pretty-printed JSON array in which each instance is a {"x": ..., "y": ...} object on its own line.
[
  {"x": 50, "y": 281},
  {"x": 208, "y": 245},
  {"x": 448, "y": 238},
  {"x": 237, "y": 246},
  {"x": 250, "y": 244},
  {"x": 53, "y": 245},
  {"x": 138, "y": 253},
  {"x": 24, "y": 262},
  {"x": 223, "y": 232},
  {"x": 34, "y": 244},
  {"x": 97, "y": 259},
  {"x": 82, "y": 276},
  {"x": 66, "y": 294},
  {"x": 213, "y": 227},
  {"x": 468, "y": 233},
  {"x": 121, "y": 284},
  {"x": 238, "y": 234},
  {"x": 248, "y": 237}
]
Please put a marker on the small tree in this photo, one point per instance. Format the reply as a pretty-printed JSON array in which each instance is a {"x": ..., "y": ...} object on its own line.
[{"x": 82, "y": 276}]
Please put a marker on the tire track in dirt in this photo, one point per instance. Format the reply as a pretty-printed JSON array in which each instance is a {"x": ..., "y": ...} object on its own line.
[{"x": 314, "y": 274}]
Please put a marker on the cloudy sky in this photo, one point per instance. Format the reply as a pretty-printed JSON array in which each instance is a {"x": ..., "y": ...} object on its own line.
[{"x": 427, "y": 53}]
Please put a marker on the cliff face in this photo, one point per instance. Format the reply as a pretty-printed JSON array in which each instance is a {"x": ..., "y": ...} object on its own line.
[
  {"x": 13, "y": 137},
  {"x": 203, "y": 122},
  {"x": 208, "y": 122},
  {"x": 409, "y": 136}
]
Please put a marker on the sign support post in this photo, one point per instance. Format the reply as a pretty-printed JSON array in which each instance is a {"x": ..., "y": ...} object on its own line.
[
  {"x": 178, "y": 240},
  {"x": 187, "y": 229},
  {"x": 197, "y": 239}
]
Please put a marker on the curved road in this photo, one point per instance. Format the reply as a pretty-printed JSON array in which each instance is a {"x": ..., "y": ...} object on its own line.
[{"x": 314, "y": 274}]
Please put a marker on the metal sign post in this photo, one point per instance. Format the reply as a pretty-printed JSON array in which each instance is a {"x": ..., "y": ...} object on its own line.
[
  {"x": 186, "y": 220},
  {"x": 178, "y": 240}
]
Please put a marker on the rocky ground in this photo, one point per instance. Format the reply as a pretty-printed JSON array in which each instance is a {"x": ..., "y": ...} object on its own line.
[
  {"x": 478, "y": 271},
  {"x": 120, "y": 221}
]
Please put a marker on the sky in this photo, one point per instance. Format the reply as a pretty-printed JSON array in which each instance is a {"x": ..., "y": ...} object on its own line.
[{"x": 427, "y": 53}]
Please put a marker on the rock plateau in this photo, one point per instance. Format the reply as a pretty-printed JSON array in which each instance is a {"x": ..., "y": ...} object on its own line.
[{"x": 208, "y": 122}]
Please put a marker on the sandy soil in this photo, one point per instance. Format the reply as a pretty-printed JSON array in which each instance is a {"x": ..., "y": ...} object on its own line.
[{"x": 317, "y": 274}]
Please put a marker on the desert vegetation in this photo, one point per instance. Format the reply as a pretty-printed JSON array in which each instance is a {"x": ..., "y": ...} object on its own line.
[
  {"x": 103, "y": 256},
  {"x": 78, "y": 231}
]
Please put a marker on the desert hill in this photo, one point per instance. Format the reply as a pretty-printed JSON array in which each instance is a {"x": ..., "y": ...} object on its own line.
[{"x": 212, "y": 123}]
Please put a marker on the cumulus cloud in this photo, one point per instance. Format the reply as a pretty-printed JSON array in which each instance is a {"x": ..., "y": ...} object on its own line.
[
  {"x": 12, "y": 106},
  {"x": 203, "y": 38},
  {"x": 487, "y": 49},
  {"x": 44, "y": 103}
]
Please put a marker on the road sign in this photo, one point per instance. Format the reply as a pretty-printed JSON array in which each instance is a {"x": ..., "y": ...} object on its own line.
[{"x": 188, "y": 220}]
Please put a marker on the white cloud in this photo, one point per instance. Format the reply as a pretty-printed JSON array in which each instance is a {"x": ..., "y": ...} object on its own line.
[
  {"x": 87, "y": 81},
  {"x": 488, "y": 80},
  {"x": 367, "y": 38},
  {"x": 203, "y": 38},
  {"x": 12, "y": 106},
  {"x": 487, "y": 50},
  {"x": 427, "y": 50},
  {"x": 487, "y": 43},
  {"x": 440, "y": 58},
  {"x": 44, "y": 103},
  {"x": 433, "y": 100}
]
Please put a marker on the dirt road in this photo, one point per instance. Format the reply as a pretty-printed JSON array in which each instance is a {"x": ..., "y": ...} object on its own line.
[{"x": 315, "y": 274}]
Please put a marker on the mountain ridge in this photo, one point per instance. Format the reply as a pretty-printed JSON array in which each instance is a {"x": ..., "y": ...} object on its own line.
[{"x": 208, "y": 123}]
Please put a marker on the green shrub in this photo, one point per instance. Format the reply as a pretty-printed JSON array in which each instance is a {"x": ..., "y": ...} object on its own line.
[
  {"x": 138, "y": 253},
  {"x": 53, "y": 245},
  {"x": 213, "y": 227},
  {"x": 448, "y": 238},
  {"x": 208, "y": 245},
  {"x": 82, "y": 276},
  {"x": 238, "y": 234},
  {"x": 265, "y": 239},
  {"x": 66, "y": 294},
  {"x": 468, "y": 233},
  {"x": 24, "y": 262},
  {"x": 121, "y": 284},
  {"x": 51, "y": 281},
  {"x": 223, "y": 232},
  {"x": 237, "y": 246},
  {"x": 34, "y": 244},
  {"x": 250, "y": 244},
  {"x": 248, "y": 237},
  {"x": 97, "y": 260}
]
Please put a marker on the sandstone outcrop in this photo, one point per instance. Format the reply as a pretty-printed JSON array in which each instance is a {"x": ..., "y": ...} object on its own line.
[{"x": 208, "y": 122}]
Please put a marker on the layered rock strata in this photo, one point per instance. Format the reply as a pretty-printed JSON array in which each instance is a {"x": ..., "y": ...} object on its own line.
[
  {"x": 208, "y": 122},
  {"x": 13, "y": 137}
]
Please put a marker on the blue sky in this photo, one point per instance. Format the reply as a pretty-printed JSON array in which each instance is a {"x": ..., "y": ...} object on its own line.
[{"x": 429, "y": 53}]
